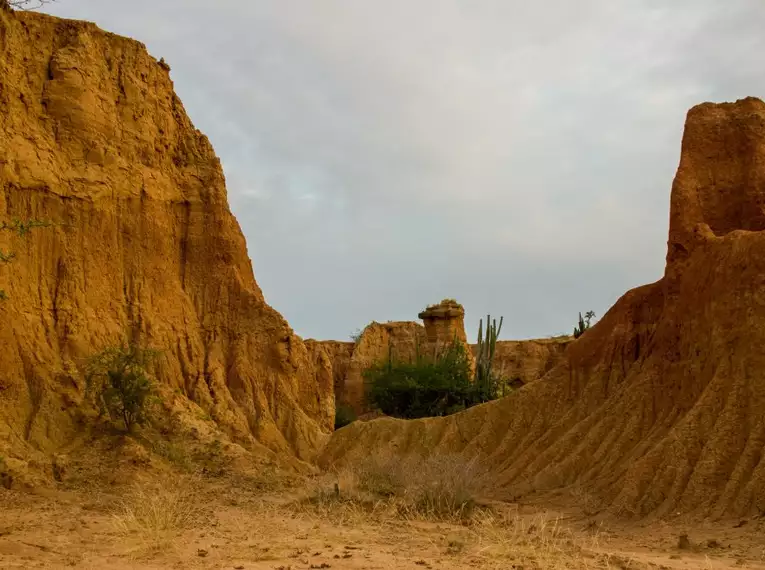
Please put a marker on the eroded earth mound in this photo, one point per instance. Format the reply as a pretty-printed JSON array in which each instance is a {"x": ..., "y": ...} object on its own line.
[
  {"x": 94, "y": 139},
  {"x": 660, "y": 407}
]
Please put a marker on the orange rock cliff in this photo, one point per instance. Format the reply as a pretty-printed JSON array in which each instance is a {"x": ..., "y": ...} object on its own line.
[
  {"x": 93, "y": 138},
  {"x": 658, "y": 409}
]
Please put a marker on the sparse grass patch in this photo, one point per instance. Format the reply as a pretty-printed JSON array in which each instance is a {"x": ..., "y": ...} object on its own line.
[
  {"x": 244, "y": 487},
  {"x": 440, "y": 487},
  {"x": 173, "y": 452},
  {"x": 157, "y": 511},
  {"x": 539, "y": 541},
  {"x": 447, "y": 489}
]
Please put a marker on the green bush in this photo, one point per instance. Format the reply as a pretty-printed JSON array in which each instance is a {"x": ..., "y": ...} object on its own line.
[
  {"x": 344, "y": 415},
  {"x": 119, "y": 384},
  {"x": 424, "y": 388}
]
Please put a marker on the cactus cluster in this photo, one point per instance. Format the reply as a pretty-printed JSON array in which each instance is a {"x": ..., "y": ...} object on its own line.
[
  {"x": 584, "y": 323},
  {"x": 487, "y": 345}
]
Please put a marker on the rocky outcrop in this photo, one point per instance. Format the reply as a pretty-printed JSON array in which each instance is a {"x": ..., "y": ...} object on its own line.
[
  {"x": 522, "y": 361},
  {"x": 444, "y": 322},
  {"x": 720, "y": 183},
  {"x": 335, "y": 357},
  {"x": 445, "y": 325},
  {"x": 93, "y": 138},
  {"x": 658, "y": 408}
]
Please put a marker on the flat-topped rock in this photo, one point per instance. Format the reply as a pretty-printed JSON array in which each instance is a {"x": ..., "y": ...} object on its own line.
[{"x": 444, "y": 322}]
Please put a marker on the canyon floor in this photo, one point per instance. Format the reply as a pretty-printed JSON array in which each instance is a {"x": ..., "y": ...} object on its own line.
[{"x": 199, "y": 522}]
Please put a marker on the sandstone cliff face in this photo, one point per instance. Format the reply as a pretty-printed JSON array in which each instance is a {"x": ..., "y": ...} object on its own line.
[
  {"x": 523, "y": 361},
  {"x": 659, "y": 407},
  {"x": 93, "y": 138},
  {"x": 335, "y": 357}
]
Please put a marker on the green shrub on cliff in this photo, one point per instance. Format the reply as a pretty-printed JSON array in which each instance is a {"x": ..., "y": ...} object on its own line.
[
  {"x": 118, "y": 383},
  {"x": 425, "y": 387}
]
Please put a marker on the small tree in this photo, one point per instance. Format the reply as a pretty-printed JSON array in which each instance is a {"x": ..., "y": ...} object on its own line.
[{"x": 119, "y": 384}]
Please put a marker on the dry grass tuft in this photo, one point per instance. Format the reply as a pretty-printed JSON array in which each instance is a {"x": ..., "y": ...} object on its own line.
[
  {"x": 156, "y": 511},
  {"x": 441, "y": 487},
  {"x": 539, "y": 541}
]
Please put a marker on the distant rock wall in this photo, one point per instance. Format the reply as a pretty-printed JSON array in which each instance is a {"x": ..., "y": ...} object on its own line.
[
  {"x": 523, "y": 361},
  {"x": 520, "y": 362}
]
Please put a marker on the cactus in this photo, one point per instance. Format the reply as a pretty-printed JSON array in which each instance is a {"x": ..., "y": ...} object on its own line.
[
  {"x": 487, "y": 345},
  {"x": 584, "y": 323}
]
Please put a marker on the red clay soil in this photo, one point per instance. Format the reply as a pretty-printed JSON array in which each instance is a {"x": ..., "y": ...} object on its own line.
[{"x": 660, "y": 407}]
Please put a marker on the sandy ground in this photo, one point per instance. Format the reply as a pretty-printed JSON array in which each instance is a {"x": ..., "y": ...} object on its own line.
[{"x": 215, "y": 524}]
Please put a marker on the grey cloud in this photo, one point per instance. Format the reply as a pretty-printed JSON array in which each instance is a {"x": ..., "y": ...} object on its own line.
[{"x": 382, "y": 155}]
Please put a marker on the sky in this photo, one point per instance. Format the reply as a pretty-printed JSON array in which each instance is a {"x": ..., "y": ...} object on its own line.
[{"x": 380, "y": 156}]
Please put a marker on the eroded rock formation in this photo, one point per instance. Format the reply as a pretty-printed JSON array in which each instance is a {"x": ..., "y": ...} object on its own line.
[
  {"x": 658, "y": 409},
  {"x": 523, "y": 361},
  {"x": 444, "y": 322},
  {"x": 334, "y": 357},
  {"x": 93, "y": 138}
]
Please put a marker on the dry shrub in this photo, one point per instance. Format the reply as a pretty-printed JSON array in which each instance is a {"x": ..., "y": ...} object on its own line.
[
  {"x": 444, "y": 487},
  {"x": 157, "y": 510},
  {"x": 538, "y": 541},
  {"x": 348, "y": 507}
]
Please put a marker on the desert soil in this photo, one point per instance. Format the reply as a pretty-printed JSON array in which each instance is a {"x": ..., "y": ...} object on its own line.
[{"x": 217, "y": 524}]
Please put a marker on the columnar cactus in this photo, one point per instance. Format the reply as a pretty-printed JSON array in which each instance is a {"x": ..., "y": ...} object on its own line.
[{"x": 487, "y": 345}]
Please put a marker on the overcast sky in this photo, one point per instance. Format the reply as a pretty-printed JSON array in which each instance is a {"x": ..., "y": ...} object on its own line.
[{"x": 380, "y": 156}]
